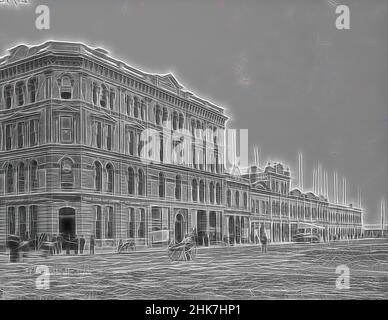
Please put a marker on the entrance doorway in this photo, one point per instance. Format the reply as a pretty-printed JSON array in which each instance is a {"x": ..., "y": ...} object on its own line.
[{"x": 67, "y": 222}]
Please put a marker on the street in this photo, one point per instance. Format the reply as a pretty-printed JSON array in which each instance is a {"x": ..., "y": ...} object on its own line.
[{"x": 288, "y": 271}]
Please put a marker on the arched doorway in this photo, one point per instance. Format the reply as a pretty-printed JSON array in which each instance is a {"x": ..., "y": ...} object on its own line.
[
  {"x": 179, "y": 225},
  {"x": 67, "y": 222}
]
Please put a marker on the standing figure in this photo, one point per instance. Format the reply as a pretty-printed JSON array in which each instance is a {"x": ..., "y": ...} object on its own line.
[
  {"x": 81, "y": 244},
  {"x": 75, "y": 240},
  {"x": 263, "y": 240}
]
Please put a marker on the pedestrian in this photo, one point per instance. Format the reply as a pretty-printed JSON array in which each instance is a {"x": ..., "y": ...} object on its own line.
[
  {"x": 263, "y": 240},
  {"x": 60, "y": 243},
  {"x": 91, "y": 245},
  {"x": 81, "y": 244}
]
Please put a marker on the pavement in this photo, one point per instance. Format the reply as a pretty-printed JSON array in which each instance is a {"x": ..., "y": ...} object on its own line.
[{"x": 287, "y": 271}]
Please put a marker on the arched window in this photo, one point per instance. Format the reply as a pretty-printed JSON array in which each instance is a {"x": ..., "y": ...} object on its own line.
[
  {"x": 32, "y": 88},
  {"x": 131, "y": 181},
  {"x": 245, "y": 200},
  {"x": 161, "y": 185},
  {"x": 98, "y": 223},
  {"x": 104, "y": 96},
  {"x": 19, "y": 90},
  {"x": 110, "y": 177},
  {"x": 229, "y": 198},
  {"x": 66, "y": 88},
  {"x": 11, "y": 220},
  {"x": 8, "y": 97},
  {"x": 178, "y": 187},
  {"x": 211, "y": 192},
  {"x": 194, "y": 190},
  {"x": 66, "y": 173},
  {"x": 237, "y": 199},
  {"x": 34, "y": 176},
  {"x": 22, "y": 223},
  {"x": 21, "y": 178},
  {"x": 201, "y": 191},
  {"x": 10, "y": 179},
  {"x": 218, "y": 193},
  {"x": 98, "y": 176},
  {"x": 141, "y": 183}
]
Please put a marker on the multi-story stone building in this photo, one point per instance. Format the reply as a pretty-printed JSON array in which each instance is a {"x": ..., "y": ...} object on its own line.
[{"x": 75, "y": 159}]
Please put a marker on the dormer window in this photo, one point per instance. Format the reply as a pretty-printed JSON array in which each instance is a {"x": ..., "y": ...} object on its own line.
[{"x": 66, "y": 88}]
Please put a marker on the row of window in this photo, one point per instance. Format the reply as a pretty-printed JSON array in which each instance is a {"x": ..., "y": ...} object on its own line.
[
  {"x": 236, "y": 199},
  {"x": 104, "y": 223},
  {"x": 19, "y": 224},
  {"x": 21, "y": 134},
  {"x": 20, "y": 93},
  {"x": 22, "y": 173}
]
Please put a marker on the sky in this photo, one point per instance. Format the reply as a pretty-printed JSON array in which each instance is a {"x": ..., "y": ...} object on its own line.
[{"x": 280, "y": 68}]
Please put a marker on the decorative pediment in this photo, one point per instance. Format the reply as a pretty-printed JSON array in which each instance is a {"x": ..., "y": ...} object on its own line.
[
  {"x": 261, "y": 185},
  {"x": 169, "y": 82}
]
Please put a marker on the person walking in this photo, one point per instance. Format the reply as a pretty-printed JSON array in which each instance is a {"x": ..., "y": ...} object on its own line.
[
  {"x": 91, "y": 249},
  {"x": 81, "y": 244},
  {"x": 263, "y": 240}
]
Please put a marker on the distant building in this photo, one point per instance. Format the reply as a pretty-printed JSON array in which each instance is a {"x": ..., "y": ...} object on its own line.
[{"x": 71, "y": 161}]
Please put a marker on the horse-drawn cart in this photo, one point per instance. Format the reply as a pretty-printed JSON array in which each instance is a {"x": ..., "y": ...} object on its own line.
[{"x": 184, "y": 250}]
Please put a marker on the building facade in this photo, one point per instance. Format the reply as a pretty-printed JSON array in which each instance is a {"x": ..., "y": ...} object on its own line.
[{"x": 92, "y": 146}]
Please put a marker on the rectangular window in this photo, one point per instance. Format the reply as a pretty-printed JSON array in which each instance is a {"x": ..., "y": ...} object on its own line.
[
  {"x": 33, "y": 132},
  {"x": 109, "y": 137},
  {"x": 132, "y": 223},
  {"x": 109, "y": 224},
  {"x": 66, "y": 129},
  {"x": 20, "y": 129},
  {"x": 99, "y": 135},
  {"x": 33, "y": 221},
  {"x": 8, "y": 137},
  {"x": 98, "y": 222}
]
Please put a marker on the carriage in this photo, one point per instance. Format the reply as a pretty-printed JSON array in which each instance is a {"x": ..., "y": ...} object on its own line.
[{"x": 183, "y": 251}]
